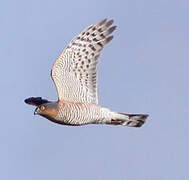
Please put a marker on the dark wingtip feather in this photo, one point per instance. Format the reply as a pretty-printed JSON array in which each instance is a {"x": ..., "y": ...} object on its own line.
[
  {"x": 109, "y": 23},
  {"x": 110, "y": 30},
  {"x": 102, "y": 22},
  {"x": 108, "y": 39},
  {"x": 36, "y": 101}
]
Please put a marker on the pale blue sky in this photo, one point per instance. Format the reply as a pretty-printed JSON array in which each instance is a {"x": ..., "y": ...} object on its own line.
[{"x": 143, "y": 70}]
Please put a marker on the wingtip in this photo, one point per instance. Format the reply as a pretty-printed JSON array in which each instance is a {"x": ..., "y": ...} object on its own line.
[
  {"x": 111, "y": 29},
  {"x": 109, "y": 23},
  {"x": 108, "y": 39},
  {"x": 28, "y": 100},
  {"x": 102, "y": 22},
  {"x": 35, "y": 101}
]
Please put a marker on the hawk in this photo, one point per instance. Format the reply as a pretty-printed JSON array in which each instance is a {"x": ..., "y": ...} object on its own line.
[{"x": 75, "y": 76}]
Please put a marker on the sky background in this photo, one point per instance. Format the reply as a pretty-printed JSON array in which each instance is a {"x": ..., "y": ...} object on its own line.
[{"x": 143, "y": 70}]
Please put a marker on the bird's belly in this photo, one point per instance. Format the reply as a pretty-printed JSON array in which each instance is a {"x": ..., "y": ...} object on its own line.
[
  {"x": 78, "y": 114},
  {"x": 62, "y": 121}
]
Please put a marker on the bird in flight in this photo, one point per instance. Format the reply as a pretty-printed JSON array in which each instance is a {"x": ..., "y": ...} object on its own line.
[{"x": 75, "y": 76}]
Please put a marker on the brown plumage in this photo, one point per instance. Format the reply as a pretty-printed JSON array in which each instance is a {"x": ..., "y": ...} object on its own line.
[{"x": 75, "y": 76}]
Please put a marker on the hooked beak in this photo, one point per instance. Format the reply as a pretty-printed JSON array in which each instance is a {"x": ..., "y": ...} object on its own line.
[{"x": 36, "y": 111}]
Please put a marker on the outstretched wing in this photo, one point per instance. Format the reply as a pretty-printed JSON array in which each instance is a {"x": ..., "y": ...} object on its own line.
[{"x": 74, "y": 72}]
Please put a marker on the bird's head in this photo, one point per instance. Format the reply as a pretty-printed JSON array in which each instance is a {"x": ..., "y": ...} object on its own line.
[
  {"x": 44, "y": 108},
  {"x": 48, "y": 110}
]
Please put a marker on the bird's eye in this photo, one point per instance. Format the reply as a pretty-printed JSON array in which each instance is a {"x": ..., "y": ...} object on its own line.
[{"x": 42, "y": 108}]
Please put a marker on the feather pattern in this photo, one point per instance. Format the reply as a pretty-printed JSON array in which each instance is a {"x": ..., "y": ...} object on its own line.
[
  {"x": 75, "y": 71},
  {"x": 75, "y": 77}
]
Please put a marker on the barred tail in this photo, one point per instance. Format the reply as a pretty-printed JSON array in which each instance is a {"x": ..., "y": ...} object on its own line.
[{"x": 130, "y": 120}]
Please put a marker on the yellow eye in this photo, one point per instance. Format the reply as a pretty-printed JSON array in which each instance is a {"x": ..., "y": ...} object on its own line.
[{"x": 42, "y": 108}]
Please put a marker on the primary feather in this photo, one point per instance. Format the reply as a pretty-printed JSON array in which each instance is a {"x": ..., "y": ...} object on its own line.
[{"x": 75, "y": 71}]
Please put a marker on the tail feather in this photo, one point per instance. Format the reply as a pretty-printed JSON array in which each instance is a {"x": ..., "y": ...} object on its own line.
[{"x": 130, "y": 120}]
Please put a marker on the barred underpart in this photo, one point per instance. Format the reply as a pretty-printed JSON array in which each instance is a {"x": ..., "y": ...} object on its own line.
[
  {"x": 83, "y": 113},
  {"x": 75, "y": 77}
]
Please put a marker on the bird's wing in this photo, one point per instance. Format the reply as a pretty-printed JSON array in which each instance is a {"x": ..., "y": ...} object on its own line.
[
  {"x": 35, "y": 101},
  {"x": 74, "y": 72}
]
